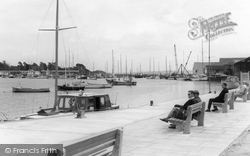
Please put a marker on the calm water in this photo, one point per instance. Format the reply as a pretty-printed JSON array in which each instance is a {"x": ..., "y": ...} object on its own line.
[{"x": 16, "y": 104}]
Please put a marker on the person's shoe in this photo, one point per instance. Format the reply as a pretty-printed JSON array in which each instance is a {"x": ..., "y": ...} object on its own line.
[
  {"x": 164, "y": 120},
  {"x": 208, "y": 110},
  {"x": 214, "y": 110},
  {"x": 172, "y": 126}
]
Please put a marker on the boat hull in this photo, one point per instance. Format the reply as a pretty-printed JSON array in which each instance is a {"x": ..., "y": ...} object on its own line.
[
  {"x": 29, "y": 90},
  {"x": 98, "y": 86},
  {"x": 64, "y": 87},
  {"x": 125, "y": 83}
]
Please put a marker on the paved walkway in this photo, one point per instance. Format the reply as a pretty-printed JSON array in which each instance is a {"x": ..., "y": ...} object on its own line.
[
  {"x": 144, "y": 133},
  {"x": 151, "y": 137}
]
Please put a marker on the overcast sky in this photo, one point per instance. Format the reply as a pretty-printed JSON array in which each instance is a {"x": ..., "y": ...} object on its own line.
[{"x": 137, "y": 29}]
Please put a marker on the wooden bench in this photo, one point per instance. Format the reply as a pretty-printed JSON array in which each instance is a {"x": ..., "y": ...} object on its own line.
[
  {"x": 244, "y": 97},
  {"x": 108, "y": 143},
  {"x": 186, "y": 124},
  {"x": 228, "y": 100}
]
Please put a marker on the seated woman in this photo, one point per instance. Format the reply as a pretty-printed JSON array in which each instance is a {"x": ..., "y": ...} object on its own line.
[
  {"x": 241, "y": 91},
  {"x": 172, "y": 113}
]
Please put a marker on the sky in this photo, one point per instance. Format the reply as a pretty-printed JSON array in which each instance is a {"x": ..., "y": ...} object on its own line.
[{"x": 137, "y": 31}]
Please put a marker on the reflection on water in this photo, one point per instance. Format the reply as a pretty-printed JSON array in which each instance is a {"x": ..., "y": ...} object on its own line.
[{"x": 15, "y": 104}]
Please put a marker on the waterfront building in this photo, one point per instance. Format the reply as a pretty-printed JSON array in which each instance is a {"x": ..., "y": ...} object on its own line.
[
  {"x": 224, "y": 66},
  {"x": 199, "y": 67},
  {"x": 242, "y": 66}
]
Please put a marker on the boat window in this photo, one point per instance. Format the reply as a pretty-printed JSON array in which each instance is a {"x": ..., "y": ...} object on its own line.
[
  {"x": 91, "y": 103},
  {"x": 102, "y": 102},
  {"x": 66, "y": 102},
  {"x": 69, "y": 102}
]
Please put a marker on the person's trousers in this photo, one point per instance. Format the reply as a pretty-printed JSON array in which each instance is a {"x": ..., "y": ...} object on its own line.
[{"x": 210, "y": 103}]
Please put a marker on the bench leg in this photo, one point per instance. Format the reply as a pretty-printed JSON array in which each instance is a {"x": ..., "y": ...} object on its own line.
[
  {"x": 200, "y": 120},
  {"x": 201, "y": 117},
  {"x": 224, "y": 108},
  {"x": 244, "y": 98},
  {"x": 118, "y": 144},
  {"x": 231, "y": 104},
  {"x": 186, "y": 128}
]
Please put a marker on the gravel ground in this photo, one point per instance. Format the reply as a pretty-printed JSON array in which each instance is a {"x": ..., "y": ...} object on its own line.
[{"x": 240, "y": 147}]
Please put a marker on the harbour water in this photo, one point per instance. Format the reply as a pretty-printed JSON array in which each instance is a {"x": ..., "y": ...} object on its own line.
[{"x": 146, "y": 90}]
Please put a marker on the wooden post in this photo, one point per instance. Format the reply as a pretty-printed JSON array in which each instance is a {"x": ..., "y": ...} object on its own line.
[{"x": 151, "y": 103}]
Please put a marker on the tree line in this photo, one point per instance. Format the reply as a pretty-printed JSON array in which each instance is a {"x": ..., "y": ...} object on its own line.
[{"x": 42, "y": 66}]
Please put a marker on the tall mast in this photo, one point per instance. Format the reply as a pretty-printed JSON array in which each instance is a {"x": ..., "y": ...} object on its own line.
[
  {"x": 126, "y": 66},
  {"x": 57, "y": 29},
  {"x": 140, "y": 68},
  {"x": 113, "y": 63},
  {"x": 131, "y": 70},
  {"x": 121, "y": 63},
  {"x": 166, "y": 65},
  {"x": 149, "y": 66},
  {"x": 118, "y": 72},
  {"x": 154, "y": 66},
  {"x": 56, "y": 63},
  {"x": 202, "y": 54}
]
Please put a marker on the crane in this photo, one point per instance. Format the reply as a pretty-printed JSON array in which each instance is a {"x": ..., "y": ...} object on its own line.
[
  {"x": 182, "y": 67},
  {"x": 188, "y": 59},
  {"x": 176, "y": 63}
]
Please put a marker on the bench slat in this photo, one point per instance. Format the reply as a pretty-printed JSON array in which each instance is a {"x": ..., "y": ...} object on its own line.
[
  {"x": 86, "y": 152},
  {"x": 97, "y": 144},
  {"x": 92, "y": 142},
  {"x": 196, "y": 110}
]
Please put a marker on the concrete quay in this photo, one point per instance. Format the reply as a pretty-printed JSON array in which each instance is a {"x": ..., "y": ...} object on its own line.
[
  {"x": 144, "y": 134},
  {"x": 151, "y": 137}
]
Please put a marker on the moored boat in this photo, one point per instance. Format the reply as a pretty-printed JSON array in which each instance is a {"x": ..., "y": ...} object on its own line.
[
  {"x": 121, "y": 82},
  {"x": 70, "y": 87},
  {"x": 76, "y": 102},
  {"x": 197, "y": 77},
  {"x": 232, "y": 82},
  {"x": 88, "y": 85},
  {"x": 29, "y": 90},
  {"x": 97, "y": 86},
  {"x": 11, "y": 76}
]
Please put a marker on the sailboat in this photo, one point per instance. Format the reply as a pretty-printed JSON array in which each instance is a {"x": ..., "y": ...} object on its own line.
[
  {"x": 74, "y": 102},
  {"x": 29, "y": 90}
]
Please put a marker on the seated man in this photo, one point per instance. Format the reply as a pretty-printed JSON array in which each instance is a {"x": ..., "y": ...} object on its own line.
[
  {"x": 191, "y": 101},
  {"x": 241, "y": 91},
  {"x": 196, "y": 96},
  {"x": 219, "y": 98}
]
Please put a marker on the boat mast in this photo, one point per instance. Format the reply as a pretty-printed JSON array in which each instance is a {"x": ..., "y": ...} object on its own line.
[
  {"x": 56, "y": 63},
  {"x": 57, "y": 29},
  {"x": 113, "y": 63},
  {"x": 202, "y": 55}
]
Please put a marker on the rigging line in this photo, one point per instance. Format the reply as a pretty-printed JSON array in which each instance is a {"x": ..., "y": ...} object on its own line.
[
  {"x": 72, "y": 20},
  {"x": 83, "y": 48},
  {"x": 46, "y": 13},
  {"x": 64, "y": 47},
  {"x": 36, "y": 42}
]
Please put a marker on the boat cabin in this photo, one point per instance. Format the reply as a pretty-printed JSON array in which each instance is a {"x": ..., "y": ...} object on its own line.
[{"x": 75, "y": 102}]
